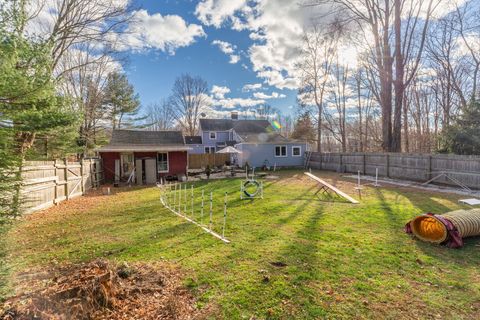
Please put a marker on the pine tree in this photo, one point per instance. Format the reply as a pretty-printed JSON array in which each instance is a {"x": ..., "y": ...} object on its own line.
[
  {"x": 29, "y": 104},
  {"x": 121, "y": 101},
  {"x": 304, "y": 129},
  {"x": 463, "y": 137}
]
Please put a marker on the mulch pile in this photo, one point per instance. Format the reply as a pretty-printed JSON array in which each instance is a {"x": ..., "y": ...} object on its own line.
[{"x": 101, "y": 290}]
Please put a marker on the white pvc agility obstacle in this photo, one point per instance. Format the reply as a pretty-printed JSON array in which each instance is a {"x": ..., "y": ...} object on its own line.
[
  {"x": 257, "y": 192},
  {"x": 174, "y": 197}
]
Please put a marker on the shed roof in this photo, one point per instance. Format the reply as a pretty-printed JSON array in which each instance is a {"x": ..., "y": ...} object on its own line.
[{"x": 141, "y": 140}]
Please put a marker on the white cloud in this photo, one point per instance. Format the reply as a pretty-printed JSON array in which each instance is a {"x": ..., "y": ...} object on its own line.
[
  {"x": 218, "y": 99},
  {"x": 216, "y": 12},
  {"x": 252, "y": 87},
  {"x": 166, "y": 33},
  {"x": 219, "y": 92},
  {"x": 234, "y": 59},
  {"x": 275, "y": 25},
  {"x": 224, "y": 46},
  {"x": 274, "y": 95},
  {"x": 228, "y": 49}
]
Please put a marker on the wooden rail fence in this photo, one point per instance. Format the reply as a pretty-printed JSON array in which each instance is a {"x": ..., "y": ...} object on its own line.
[
  {"x": 46, "y": 183},
  {"x": 415, "y": 167}
]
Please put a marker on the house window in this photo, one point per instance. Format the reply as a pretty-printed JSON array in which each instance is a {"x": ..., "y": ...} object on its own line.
[
  {"x": 162, "y": 162},
  {"x": 280, "y": 151},
  {"x": 296, "y": 151},
  {"x": 213, "y": 135},
  {"x": 209, "y": 149}
]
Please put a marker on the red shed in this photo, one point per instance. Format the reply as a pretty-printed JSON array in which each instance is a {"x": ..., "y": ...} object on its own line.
[{"x": 144, "y": 156}]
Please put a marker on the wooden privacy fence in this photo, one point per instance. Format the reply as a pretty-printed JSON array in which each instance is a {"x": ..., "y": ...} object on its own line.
[
  {"x": 46, "y": 183},
  {"x": 200, "y": 161},
  {"x": 415, "y": 167}
]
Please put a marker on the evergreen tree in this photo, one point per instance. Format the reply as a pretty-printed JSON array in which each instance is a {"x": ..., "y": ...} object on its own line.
[
  {"x": 29, "y": 105},
  {"x": 121, "y": 101},
  {"x": 304, "y": 129},
  {"x": 463, "y": 137}
]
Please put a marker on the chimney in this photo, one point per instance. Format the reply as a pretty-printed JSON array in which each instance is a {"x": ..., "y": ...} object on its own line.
[{"x": 234, "y": 115}]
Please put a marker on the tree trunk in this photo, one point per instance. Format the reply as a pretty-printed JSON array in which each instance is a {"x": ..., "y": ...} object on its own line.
[
  {"x": 396, "y": 144},
  {"x": 319, "y": 130}
]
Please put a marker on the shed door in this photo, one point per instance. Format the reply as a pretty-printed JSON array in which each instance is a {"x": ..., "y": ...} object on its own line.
[
  {"x": 151, "y": 171},
  {"x": 139, "y": 171}
]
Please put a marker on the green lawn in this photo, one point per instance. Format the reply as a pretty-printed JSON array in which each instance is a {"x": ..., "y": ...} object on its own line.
[{"x": 342, "y": 260}]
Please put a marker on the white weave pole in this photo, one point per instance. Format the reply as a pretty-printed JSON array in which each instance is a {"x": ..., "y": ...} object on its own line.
[
  {"x": 211, "y": 210},
  {"x": 175, "y": 196},
  {"x": 201, "y": 212},
  {"x": 191, "y": 199},
  {"x": 376, "y": 178},
  {"x": 185, "y": 202},
  {"x": 180, "y": 199},
  {"x": 207, "y": 229},
  {"x": 224, "y": 215}
]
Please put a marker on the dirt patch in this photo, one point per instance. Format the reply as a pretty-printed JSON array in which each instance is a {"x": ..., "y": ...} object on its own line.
[{"x": 101, "y": 290}]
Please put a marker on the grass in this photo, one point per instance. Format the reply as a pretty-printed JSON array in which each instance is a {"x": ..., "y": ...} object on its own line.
[{"x": 341, "y": 260}]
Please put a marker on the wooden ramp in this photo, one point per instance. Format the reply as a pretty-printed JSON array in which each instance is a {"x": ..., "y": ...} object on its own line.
[{"x": 326, "y": 188}]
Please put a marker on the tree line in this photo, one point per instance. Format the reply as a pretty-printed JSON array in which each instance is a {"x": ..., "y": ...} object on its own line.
[{"x": 414, "y": 80}]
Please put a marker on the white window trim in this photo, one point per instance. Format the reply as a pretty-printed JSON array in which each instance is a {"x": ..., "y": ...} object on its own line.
[
  {"x": 210, "y": 148},
  {"x": 299, "y": 147},
  {"x": 210, "y": 135},
  {"x": 280, "y": 156},
  {"x": 168, "y": 163}
]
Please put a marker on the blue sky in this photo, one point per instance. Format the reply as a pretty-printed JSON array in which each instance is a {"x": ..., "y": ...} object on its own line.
[{"x": 152, "y": 71}]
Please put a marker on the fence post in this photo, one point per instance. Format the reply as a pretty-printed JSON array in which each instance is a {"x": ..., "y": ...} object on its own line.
[
  {"x": 81, "y": 176},
  {"x": 341, "y": 163},
  {"x": 429, "y": 172},
  {"x": 65, "y": 177},
  {"x": 388, "y": 165},
  {"x": 364, "y": 164},
  {"x": 56, "y": 181}
]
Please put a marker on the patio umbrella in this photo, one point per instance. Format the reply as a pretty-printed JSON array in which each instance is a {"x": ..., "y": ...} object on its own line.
[{"x": 229, "y": 150}]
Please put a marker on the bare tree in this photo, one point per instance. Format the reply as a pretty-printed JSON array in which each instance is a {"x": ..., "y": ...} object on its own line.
[
  {"x": 187, "y": 102},
  {"x": 86, "y": 84},
  {"x": 410, "y": 20},
  {"x": 159, "y": 116},
  {"x": 315, "y": 66},
  {"x": 73, "y": 24}
]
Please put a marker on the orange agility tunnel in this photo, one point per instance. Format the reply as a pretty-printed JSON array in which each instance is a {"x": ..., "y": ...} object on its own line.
[{"x": 449, "y": 228}]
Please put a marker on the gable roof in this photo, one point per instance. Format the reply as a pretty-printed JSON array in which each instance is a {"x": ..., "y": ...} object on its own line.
[
  {"x": 240, "y": 126},
  {"x": 193, "y": 139},
  {"x": 141, "y": 140}
]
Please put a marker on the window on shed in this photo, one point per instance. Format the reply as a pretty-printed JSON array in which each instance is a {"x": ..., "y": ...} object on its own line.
[
  {"x": 213, "y": 135},
  {"x": 296, "y": 151},
  {"x": 280, "y": 151},
  {"x": 162, "y": 162}
]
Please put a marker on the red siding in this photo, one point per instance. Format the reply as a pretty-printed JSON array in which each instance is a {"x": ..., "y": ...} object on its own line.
[
  {"x": 177, "y": 162},
  {"x": 140, "y": 155},
  {"x": 109, "y": 164}
]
